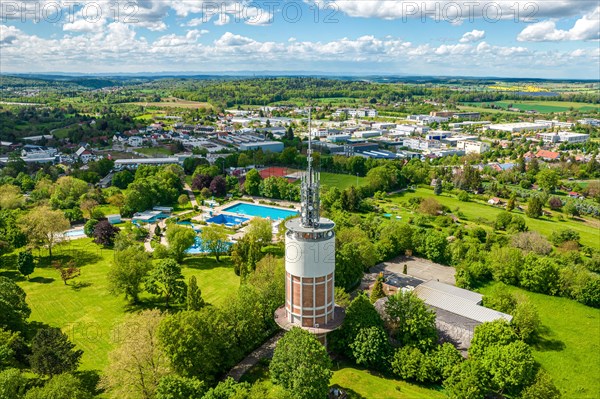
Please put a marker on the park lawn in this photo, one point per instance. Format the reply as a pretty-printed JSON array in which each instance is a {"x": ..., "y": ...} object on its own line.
[
  {"x": 155, "y": 151},
  {"x": 108, "y": 209},
  {"x": 340, "y": 181},
  {"x": 362, "y": 384},
  {"x": 88, "y": 313},
  {"x": 473, "y": 211},
  {"x": 569, "y": 343}
]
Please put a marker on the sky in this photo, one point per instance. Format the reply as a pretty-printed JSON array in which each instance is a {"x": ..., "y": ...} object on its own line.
[{"x": 502, "y": 38}]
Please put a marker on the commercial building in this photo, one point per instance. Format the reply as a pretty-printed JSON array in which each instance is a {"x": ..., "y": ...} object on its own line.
[
  {"x": 473, "y": 147},
  {"x": 418, "y": 144},
  {"x": 564, "y": 137},
  {"x": 266, "y": 146},
  {"x": 519, "y": 127},
  {"x": 135, "y": 162}
]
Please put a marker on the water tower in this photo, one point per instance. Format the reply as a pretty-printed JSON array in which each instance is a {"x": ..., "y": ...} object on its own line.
[{"x": 310, "y": 264}]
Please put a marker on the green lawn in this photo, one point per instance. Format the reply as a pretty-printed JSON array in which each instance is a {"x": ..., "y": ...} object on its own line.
[
  {"x": 588, "y": 229},
  {"x": 155, "y": 151},
  {"x": 542, "y": 106},
  {"x": 88, "y": 313},
  {"x": 569, "y": 345},
  {"x": 340, "y": 181},
  {"x": 363, "y": 384}
]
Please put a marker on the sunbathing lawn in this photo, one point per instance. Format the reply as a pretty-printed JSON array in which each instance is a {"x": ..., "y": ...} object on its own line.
[{"x": 86, "y": 311}]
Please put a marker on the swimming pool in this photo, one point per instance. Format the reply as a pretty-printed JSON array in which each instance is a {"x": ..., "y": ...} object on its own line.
[
  {"x": 199, "y": 248},
  {"x": 74, "y": 233},
  {"x": 260, "y": 211},
  {"x": 227, "y": 220}
]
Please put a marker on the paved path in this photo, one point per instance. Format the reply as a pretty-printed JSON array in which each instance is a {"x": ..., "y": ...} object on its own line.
[
  {"x": 264, "y": 351},
  {"x": 191, "y": 195}
]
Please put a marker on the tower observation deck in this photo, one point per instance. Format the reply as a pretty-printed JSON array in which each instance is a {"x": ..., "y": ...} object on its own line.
[{"x": 310, "y": 264}]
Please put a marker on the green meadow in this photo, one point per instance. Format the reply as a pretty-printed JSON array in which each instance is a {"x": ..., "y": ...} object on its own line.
[
  {"x": 85, "y": 309},
  {"x": 569, "y": 343}
]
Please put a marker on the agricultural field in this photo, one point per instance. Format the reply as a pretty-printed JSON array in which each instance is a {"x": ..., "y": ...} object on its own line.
[
  {"x": 544, "y": 107},
  {"x": 87, "y": 312},
  {"x": 568, "y": 344},
  {"x": 478, "y": 213},
  {"x": 172, "y": 102}
]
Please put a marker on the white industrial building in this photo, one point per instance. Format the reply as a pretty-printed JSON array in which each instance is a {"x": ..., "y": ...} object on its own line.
[
  {"x": 420, "y": 144},
  {"x": 564, "y": 137},
  {"x": 520, "y": 127},
  {"x": 472, "y": 147},
  {"x": 266, "y": 146}
]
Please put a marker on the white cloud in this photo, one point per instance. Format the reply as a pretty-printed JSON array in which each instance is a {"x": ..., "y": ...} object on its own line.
[
  {"x": 222, "y": 19},
  {"x": 585, "y": 28},
  {"x": 116, "y": 47},
  {"x": 453, "y": 11},
  {"x": 473, "y": 36}
]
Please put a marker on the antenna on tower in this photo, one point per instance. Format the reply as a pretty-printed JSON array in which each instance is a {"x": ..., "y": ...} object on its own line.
[{"x": 309, "y": 189}]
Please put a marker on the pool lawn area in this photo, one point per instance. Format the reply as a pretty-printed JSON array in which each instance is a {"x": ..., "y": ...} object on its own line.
[{"x": 263, "y": 211}]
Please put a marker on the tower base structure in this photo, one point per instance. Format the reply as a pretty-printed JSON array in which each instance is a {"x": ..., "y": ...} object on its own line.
[{"x": 320, "y": 332}]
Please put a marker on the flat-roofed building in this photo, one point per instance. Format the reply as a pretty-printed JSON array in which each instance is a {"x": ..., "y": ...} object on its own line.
[
  {"x": 519, "y": 127},
  {"x": 266, "y": 146},
  {"x": 473, "y": 147}
]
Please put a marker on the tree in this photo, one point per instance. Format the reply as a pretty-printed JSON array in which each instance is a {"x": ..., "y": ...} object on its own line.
[
  {"x": 130, "y": 268},
  {"x": 526, "y": 320},
  {"x": 104, "y": 233},
  {"x": 260, "y": 230},
  {"x": 63, "y": 386},
  {"x": 571, "y": 209},
  {"x": 14, "y": 310},
  {"x": 214, "y": 238},
  {"x": 180, "y": 238},
  {"x": 165, "y": 279},
  {"x": 534, "y": 207},
  {"x": 176, "y": 387},
  {"x": 468, "y": 380},
  {"x": 489, "y": 334},
  {"x": 13, "y": 384},
  {"x": 252, "y": 182},
  {"x": 505, "y": 264},
  {"x": 25, "y": 263},
  {"x": 44, "y": 227},
  {"x": 301, "y": 365},
  {"x": 68, "y": 272},
  {"x": 88, "y": 205},
  {"x": 547, "y": 180},
  {"x": 555, "y": 203},
  {"x": 194, "y": 295},
  {"x": 197, "y": 343},
  {"x": 511, "y": 367},
  {"x": 371, "y": 348},
  {"x": 407, "y": 362},
  {"x": 201, "y": 181},
  {"x": 138, "y": 363},
  {"x": 412, "y": 323},
  {"x": 122, "y": 179},
  {"x": 540, "y": 275},
  {"x": 430, "y": 206},
  {"x": 218, "y": 186},
  {"x": 559, "y": 236},
  {"x": 89, "y": 227},
  {"x": 377, "y": 291},
  {"x": 52, "y": 353},
  {"x": 10, "y": 197},
  {"x": 542, "y": 388},
  {"x": 510, "y": 205},
  {"x": 437, "y": 190},
  {"x": 500, "y": 299},
  {"x": 436, "y": 246},
  {"x": 532, "y": 241}
]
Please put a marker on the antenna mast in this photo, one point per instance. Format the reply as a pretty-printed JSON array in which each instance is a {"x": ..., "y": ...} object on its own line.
[{"x": 310, "y": 187}]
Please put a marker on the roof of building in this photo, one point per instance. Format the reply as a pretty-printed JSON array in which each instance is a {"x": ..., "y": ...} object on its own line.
[
  {"x": 547, "y": 154},
  {"x": 471, "y": 296},
  {"x": 458, "y": 304}
]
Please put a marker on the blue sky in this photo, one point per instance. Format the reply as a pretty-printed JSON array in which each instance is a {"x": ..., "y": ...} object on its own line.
[{"x": 543, "y": 39}]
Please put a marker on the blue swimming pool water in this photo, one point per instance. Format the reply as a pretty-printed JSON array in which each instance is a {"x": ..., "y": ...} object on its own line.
[
  {"x": 199, "y": 248},
  {"x": 260, "y": 211},
  {"x": 74, "y": 233},
  {"x": 227, "y": 220}
]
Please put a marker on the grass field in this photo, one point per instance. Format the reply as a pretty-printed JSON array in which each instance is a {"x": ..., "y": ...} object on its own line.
[
  {"x": 363, "y": 384},
  {"x": 543, "y": 107},
  {"x": 172, "y": 102},
  {"x": 569, "y": 344},
  {"x": 588, "y": 229},
  {"x": 340, "y": 181},
  {"x": 155, "y": 151},
  {"x": 86, "y": 311}
]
